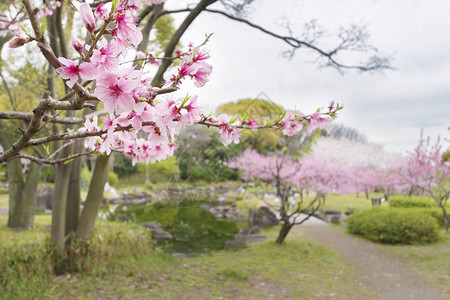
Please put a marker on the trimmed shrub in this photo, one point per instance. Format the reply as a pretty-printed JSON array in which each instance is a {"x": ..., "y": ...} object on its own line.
[
  {"x": 435, "y": 212},
  {"x": 394, "y": 226},
  {"x": 413, "y": 201}
]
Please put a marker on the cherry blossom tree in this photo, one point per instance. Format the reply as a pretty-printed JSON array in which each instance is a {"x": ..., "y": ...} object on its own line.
[
  {"x": 429, "y": 172},
  {"x": 284, "y": 173}
]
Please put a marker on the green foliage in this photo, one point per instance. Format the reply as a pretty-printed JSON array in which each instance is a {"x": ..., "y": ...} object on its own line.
[
  {"x": 86, "y": 175},
  {"x": 434, "y": 212},
  {"x": 262, "y": 140},
  {"x": 162, "y": 170},
  {"x": 412, "y": 201},
  {"x": 48, "y": 174},
  {"x": 164, "y": 31},
  {"x": 202, "y": 156},
  {"x": 113, "y": 178},
  {"x": 123, "y": 165},
  {"x": 150, "y": 187},
  {"x": 394, "y": 226}
]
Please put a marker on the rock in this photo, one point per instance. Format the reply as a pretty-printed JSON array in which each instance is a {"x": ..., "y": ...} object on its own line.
[
  {"x": 349, "y": 212},
  {"x": 160, "y": 235},
  {"x": 335, "y": 219},
  {"x": 206, "y": 206},
  {"x": 332, "y": 212},
  {"x": 256, "y": 238},
  {"x": 150, "y": 225},
  {"x": 45, "y": 198},
  {"x": 255, "y": 229},
  {"x": 243, "y": 231},
  {"x": 263, "y": 217},
  {"x": 123, "y": 218}
]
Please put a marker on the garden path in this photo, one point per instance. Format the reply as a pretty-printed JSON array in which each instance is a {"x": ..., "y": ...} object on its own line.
[{"x": 383, "y": 273}]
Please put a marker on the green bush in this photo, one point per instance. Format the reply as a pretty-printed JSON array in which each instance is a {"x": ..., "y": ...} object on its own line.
[
  {"x": 433, "y": 212},
  {"x": 413, "y": 201},
  {"x": 394, "y": 226}
]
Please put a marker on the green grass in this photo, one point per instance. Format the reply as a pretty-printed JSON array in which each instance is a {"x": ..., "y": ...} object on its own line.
[
  {"x": 295, "y": 268},
  {"x": 431, "y": 262},
  {"x": 4, "y": 198},
  {"x": 125, "y": 265}
]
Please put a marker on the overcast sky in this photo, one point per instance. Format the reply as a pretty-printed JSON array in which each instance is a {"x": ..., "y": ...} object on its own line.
[{"x": 389, "y": 108}]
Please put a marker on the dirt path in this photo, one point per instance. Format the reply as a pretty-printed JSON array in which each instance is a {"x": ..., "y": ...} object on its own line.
[{"x": 378, "y": 270}]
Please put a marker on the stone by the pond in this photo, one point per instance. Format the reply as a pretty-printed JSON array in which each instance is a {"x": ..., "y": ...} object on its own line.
[
  {"x": 123, "y": 218},
  {"x": 206, "y": 206},
  {"x": 255, "y": 229},
  {"x": 45, "y": 198},
  {"x": 256, "y": 238},
  {"x": 332, "y": 212},
  {"x": 158, "y": 234},
  {"x": 151, "y": 225},
  {"x": 263, "y": 217},
  {"x": 241, "y": 238}
]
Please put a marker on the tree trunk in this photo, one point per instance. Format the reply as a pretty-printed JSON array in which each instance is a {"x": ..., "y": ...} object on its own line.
[
  {"x": 74, "y": 193},
  {"x": 444, "y": 211},
  {"x": 62, "y": 176},
  {"x": 22, "y": 194},
  {"x": 86, "y": 224},
  {"x": 284, "y": 232}
]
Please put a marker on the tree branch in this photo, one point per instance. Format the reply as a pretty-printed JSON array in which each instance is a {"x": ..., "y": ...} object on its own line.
[{"x": 51, "y": 162}]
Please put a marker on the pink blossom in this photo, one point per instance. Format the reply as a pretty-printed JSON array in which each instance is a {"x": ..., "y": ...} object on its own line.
[
  {"x": 317, "y": 121},
  {"x": 70, "y": 70},
  {"x": 201, "y": 77},
  {"x": 106, "y": 55},
  {"x": 290, "y": 125},
  {"x": 126, "y": 28},
  {"x": 101, "y": 11},
  {"x": 116, "y": 93},
  {"x": 193, "y": 112},
  {"x": 253, "y": 124},
  {"x": 87, "y": 16}
]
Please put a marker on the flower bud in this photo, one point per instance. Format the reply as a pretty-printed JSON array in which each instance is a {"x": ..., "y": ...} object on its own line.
[
  {"x": 17, "y": 42},
  {"x": 76, "y": 44},
  {"x": 87, "y": 16}
]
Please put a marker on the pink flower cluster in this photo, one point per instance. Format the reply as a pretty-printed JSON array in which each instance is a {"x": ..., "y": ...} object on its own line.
[{"x": 193, "y": 66}]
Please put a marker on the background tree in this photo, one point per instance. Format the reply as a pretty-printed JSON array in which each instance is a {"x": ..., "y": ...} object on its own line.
[{"x": 427, "y": 171}]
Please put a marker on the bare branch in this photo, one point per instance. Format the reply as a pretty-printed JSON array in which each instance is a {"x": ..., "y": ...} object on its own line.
[{"x": 351, "y": 39}]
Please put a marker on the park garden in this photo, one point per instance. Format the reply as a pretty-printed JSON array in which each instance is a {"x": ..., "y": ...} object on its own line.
[{"x": 118, "y": 184}]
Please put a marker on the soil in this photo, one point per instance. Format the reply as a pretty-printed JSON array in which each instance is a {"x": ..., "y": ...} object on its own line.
[{"x": 375, "y": 268}]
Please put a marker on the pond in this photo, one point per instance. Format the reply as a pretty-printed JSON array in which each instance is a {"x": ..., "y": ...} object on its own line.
[{"x": 193, "y": 229}]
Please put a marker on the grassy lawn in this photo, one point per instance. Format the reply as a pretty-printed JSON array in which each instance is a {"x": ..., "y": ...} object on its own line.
[
  {"x": 332, "y": 202},
  {"x": 4, "y": 200},
  {"x": 260, "y": 271},
  {"x": 431, "y": 262},
  {"x": 126, "y": 266}
]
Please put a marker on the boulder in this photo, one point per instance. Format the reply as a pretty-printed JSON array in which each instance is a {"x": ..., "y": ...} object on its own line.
[
  {"x": 263, "y": 217},
  {"x": 45, "y": 198}
]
